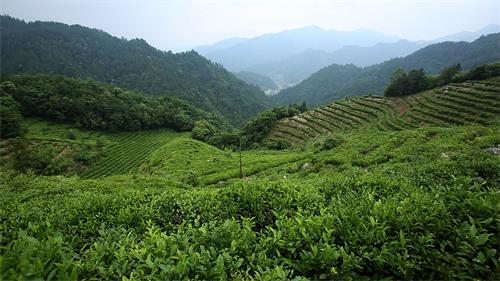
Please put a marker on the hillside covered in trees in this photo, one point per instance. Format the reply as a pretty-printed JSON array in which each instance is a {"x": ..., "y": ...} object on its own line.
[
  {"x": 80, "y": 52},
  {"x": 97, "y": 106},
  {"x": 338, "y": 81},
  {"x": 263, "y": 82}
]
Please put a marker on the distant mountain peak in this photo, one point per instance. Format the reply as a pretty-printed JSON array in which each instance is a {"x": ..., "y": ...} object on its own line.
[
  {"x": 276, "y": 46},
  {"x": 469, "y": 36}
]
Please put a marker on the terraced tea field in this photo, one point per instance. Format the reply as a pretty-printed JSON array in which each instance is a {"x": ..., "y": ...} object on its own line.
[
  {"x": 129, "y": 151},
  {"x": 455, "y": 104},
  {"x": 197, "y": 163},
  {"x": 163, "y": 153}
]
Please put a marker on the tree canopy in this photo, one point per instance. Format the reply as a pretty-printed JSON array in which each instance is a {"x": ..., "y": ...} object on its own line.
[
  {"x": 10, "y": 116},
  {"x": 404, "y": 84},
  {"x": 93, "y": 105},
  {"x": 80, "y": 52}
]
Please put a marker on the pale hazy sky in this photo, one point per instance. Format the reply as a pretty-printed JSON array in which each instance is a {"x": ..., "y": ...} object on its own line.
[{"x": 179, "y": 25}]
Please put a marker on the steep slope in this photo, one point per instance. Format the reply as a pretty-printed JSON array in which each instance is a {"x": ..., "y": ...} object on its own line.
[
  {"x": 98, "y": 106},
  {"x": 276, "y": 46},
  {"x": 338, "y": 81},
  {"x": 48, "y": 47},
  {"x": 454, "y": 104},
  {"x": 263, "y": 82}
]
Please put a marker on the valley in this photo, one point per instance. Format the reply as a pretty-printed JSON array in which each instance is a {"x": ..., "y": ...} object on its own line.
[{"x": 303, "y": 154}]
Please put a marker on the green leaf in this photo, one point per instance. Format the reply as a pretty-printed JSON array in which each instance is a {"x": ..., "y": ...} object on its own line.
[
  {"x": 481, "y": 239},
  {"x": 480, "y": 258}
]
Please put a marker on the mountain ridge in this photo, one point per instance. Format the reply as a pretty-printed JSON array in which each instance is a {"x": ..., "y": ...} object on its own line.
[
  {"x": 287, "y": 68},
  {"x": 338, "y": 81},
  {"x": 81, "y": 52},
  {"x": 275, "y": 46}
]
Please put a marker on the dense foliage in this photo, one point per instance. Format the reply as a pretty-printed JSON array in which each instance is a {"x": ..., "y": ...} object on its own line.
[
  {"x": 10, "y": 116},
  {"x": 92, "y": 105},
  {"x": 404, "y": 84},
  {"x": 80, "y": 52},
  {"x": 415, "y": 204},
  {"x": 251, "y": 134},
  {"x": 43, "y": 157},
  {"x": 480, "y": 73},
  {"x": 338, "y": 81},
  {"x": 257, "y": 129}
]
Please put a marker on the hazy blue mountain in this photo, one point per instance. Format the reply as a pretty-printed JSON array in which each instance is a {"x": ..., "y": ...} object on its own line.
[
  {"x": 380, "y": 52},
  {"x": 263, "y": 82},
  {"x": 287, "y": 67},
  {"x": 277, "y": 46},
  {"x": 226, "y": 43},
  {"x": 338, "y": 81},
  {"x": 294, "y": 69},
  {"x": 469, "y": 36}
]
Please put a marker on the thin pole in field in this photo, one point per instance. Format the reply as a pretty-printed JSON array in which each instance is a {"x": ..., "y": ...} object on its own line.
[{"x": 241, "y": 167}]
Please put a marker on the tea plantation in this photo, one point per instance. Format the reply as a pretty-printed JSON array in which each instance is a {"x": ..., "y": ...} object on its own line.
[
  {"x": 406, "y": 204},
  {"x": 455, "y": 104},
  {"x": 121, "y": 161}
]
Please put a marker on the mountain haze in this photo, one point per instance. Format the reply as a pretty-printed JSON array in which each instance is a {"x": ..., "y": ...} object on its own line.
[
  {"x": 277, "y": 46},
  {"x": 294, "y": 69},
  {"x": 469, "y": 36},
  {"x": 287, "y": 68},
  {"x": 261, "y": 81},
  {"x": 226, "y": 43},
  {"x": 338, "y": 81}
]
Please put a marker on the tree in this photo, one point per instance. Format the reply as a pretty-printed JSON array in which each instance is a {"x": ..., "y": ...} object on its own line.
[
  {"x": 202, "y": 130},
  {"x": 484, "y": 71},
  {"x": 448, "y": 74},
  {"x": 99, "y": 106},
  {"x": 404, "y": 84},
  {"x": 10, "y": 118},
  {"x": 417, "y": 81},
  {"x": 303, "y": 107}
]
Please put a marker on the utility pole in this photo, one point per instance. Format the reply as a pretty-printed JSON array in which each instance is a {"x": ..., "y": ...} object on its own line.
[{"x": 241, "y": 167}]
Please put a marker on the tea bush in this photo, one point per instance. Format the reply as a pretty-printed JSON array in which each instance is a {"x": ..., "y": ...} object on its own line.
[{"x": 408, "y": 213}]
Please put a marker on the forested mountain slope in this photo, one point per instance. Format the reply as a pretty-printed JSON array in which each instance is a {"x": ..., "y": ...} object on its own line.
[
  {"x": 49, "y": 47},
  {"x": 263, "y": 82},
  {"x": 97, "y": 106},
  {"x": 337, "y": 81}
]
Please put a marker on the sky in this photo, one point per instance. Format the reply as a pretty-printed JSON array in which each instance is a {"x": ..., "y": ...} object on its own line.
[{"x": 180, "y": 25}]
